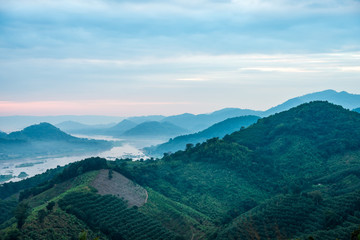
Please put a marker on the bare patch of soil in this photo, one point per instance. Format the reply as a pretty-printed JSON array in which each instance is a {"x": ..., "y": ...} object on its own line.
[{"x": 121, "y": 187}]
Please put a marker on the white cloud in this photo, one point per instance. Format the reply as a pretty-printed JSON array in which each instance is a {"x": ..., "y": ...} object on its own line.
[{"x": 192, "y": 79}]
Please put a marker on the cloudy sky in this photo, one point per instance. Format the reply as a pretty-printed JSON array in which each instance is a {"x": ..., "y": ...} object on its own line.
[{"x": 140, "y": 57}]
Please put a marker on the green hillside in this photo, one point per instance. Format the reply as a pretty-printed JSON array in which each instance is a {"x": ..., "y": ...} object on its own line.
[
  {"x": 293, "y": 175},
  {"x": 220, "y": 129}
]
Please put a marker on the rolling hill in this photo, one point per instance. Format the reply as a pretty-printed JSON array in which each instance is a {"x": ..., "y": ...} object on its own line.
[
  {"x": 357, "y": 110},
  {"x": 154, "y": 129},
  {"x": 220, "y": 129},
  {"x": 293, "y": 175}
]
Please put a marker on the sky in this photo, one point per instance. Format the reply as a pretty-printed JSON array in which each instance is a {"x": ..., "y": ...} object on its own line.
[{"x": 137, "y": 57}]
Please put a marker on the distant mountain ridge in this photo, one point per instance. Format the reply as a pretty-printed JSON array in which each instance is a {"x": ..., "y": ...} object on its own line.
[
  {"x": 220, "y": 129},
  {"x": 191, "y": 122},
  {"x": 200, "y": 122},
  {"x": 344, "y": 99},
  {"x": 120, "y": 128},
  {"x": 155, "y": 129}
]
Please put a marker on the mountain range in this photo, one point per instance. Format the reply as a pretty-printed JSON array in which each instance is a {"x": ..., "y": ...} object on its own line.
[
  {"x": 191, "y": 122},
  {"x": 344, "y": 99},
  {"x": 292, "y": 175},
  {"x": 194, "y": 123}
]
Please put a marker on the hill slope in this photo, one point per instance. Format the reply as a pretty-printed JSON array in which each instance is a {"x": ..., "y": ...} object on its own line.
[
  {"x": 217, "y": 130},
  {"x": 154, "y": 129}
]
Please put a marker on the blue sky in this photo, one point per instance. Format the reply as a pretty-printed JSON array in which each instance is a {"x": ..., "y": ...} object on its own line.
[{"x": 166, "y": 57}]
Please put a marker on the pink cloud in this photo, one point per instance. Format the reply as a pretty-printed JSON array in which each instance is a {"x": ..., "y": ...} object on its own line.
[{"x": 92, "y": 107}]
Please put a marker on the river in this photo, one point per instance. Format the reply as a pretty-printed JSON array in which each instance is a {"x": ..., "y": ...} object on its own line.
[{"x": 128, "y": 148}]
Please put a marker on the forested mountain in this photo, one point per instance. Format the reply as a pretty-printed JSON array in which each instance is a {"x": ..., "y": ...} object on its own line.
[
  {"x": 155, "y": 129},
  {"x": 45, "y": 139},
  {"x": 220, "y": 129},
  {"x": 293, "y": 175},
  {"x": 357, "y": 110},
  {"x": 2, "y": 134}
]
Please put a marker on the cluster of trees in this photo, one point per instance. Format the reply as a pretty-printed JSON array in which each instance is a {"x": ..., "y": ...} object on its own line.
[{"x": 299, "y": 216}]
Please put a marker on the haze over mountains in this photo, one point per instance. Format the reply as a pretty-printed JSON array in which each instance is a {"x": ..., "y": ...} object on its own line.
[
  {"x": 191, "y": 122},
  {"x": 346, "y": 100},
  {"x": 155, "y": 129},
  {"x": 45, "y": 139},
  {"x": 292, "y": 175}
]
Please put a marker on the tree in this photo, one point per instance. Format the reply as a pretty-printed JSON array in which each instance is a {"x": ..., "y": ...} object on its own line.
[
  {"x": 12, "y": 234},
  {"x": 21, "y": 213},
  {"x": 110, "y": 175},
  {"x": 189, "y": 146},
  {"x": 41, "y": 215},
  {"x": 50, "y": 206}
]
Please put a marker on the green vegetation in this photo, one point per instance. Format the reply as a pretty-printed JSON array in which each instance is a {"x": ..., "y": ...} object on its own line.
[
  {"x": 112, "y": 217},
  {"x": 217, "y": 130},
  {"x": 293, "y": 175},
  {"x": 7, "y": 208}
]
